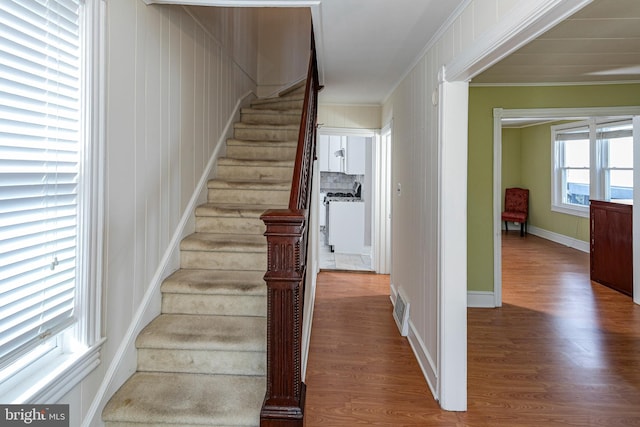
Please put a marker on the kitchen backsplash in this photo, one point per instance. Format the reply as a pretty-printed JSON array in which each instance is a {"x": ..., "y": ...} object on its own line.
[{"x": 336, "y": 181}]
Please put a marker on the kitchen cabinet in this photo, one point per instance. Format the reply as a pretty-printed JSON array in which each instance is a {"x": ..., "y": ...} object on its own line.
[
  {"x": 328, "y": 145},
  {"x": 352, "y": 151},
  {"x": 355, "y": 154},
  {"x": 611, "y": 245}
]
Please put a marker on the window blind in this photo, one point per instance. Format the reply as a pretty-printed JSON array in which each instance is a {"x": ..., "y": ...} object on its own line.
[{"x": 39, "y": 170}]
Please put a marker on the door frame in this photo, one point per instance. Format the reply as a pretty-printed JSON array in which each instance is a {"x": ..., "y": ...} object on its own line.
[
  {"x": 374, "y": 134},
  {"x": 555, "y": 114}
]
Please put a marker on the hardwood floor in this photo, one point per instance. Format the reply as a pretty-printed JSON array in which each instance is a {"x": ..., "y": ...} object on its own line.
[{"x": 562, "y": 351}]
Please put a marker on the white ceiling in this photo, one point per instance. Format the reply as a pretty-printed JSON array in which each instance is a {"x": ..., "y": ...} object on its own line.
[
  {"x": 600, "y": 43},
  {"x": 366, "y": 46}
]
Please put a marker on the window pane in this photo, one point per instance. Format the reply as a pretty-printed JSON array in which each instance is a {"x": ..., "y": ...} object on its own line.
[
  {"x": 576, "y": 153},
  {"x": 621, "y": 152},
  {"x": 577, "y": 187},
  {"x": 621, "y": 184}
]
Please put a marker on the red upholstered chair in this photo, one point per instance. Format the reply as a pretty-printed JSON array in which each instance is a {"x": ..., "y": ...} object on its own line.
[{"x": 516, "y": 207}]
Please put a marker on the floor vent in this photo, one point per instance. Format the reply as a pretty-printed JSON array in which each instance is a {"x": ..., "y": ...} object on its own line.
[{"x": 401, "y": 314}]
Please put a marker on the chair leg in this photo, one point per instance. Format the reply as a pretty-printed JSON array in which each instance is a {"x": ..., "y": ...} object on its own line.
[
  {"x": 506, "y": 227},
  {"x": 522, "y": 229}
]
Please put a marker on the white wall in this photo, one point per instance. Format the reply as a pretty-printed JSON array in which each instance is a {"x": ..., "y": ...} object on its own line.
[
  {"x": 170, "y": 88},
  {"x": 432, "y": 183},
  {"x": 285, "y": 37},
  {"x": 349, "y": 116}
]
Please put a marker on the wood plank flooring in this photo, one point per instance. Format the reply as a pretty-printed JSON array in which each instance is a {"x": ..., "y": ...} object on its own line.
[{"x": 562, "y": 351}]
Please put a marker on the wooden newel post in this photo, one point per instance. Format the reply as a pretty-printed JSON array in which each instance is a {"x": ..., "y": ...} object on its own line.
[{"x": 284, "y": 401}]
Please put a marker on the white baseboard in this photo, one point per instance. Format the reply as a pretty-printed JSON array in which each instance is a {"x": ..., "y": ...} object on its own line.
[
  {"x": 580, "y": 245},
  {"x": 481, "y": 299},
  {"x": 426, "y": 363},
  {"x": 125, "y": 359}
]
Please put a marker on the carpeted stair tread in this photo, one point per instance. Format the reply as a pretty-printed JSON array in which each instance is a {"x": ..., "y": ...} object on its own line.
[
  {"x": 240, "y": 125},
  {"x": 155, "y": 399},
  {"x": 280, "y": 99},
  {"x": 215, "y": 242},
  {"x": 220, "y": 282},
  {"x": 234, "y": 210},
  {"x": 253, "y": 143},
  {"x": 267, "y": 116},
  {"x": 265, "y": 111},
  {"x": 250, "y": 184},
  {"x": 204, "y": 332},
  {"x": 227, "y": 161}
]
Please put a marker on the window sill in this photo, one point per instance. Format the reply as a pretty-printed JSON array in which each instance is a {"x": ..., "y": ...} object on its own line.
[
  {"x": 51, "y": 377},
  {"x": 571, "y": 210}
]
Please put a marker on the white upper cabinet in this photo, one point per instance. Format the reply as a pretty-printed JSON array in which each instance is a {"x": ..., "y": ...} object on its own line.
[
  {"x": 356, "y": 152},
  {"x": 344, "y": 154},
  {"x": 328, "y": 147}
]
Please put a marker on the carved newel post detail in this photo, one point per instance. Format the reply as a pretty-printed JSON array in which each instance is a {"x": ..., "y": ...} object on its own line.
[{"x": 286, "y": 243}]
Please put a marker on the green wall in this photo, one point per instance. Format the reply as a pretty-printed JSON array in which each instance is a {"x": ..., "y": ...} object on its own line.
[
  {"x": 534, "y": 152},
  {"x": 511, "y": 159}
]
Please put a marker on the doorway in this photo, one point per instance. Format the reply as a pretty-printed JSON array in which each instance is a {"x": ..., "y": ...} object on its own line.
[
  {"x": 529, "y": 117},
  {"x": 352, "y": 199}
]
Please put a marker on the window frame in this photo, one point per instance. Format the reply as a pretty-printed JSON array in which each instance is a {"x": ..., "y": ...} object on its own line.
[
  {"x": 57, "y": 366},
  {"x": 598, "y": 164}
]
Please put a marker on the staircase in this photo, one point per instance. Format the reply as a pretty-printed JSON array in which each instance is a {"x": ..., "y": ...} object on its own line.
[{"x": 202, "y": 361}]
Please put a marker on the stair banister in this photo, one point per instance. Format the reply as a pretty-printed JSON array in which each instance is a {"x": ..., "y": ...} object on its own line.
[{"x": 287, "y": 236}]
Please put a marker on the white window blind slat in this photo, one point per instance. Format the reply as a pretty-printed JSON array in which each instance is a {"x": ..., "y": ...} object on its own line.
[{"x": 39, "y": 171}]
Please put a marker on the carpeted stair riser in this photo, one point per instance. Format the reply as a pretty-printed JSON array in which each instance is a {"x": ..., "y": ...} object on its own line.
[
  {"x": 249, "y": 196},
  {"x": 261, "y": 150},
  {"x": 265, "y": 132},
  {"x": 202, "y": 362},
  {"x": 208, "y": 224},
  {"x": 239, "y": 219},
  {"x": 290, "y": 102},
  {"x": 271, "y": 117},
  {"x": 223, "y": 305},
  {"x": 234, "y": 169},
  {"x": 169, "y": 344}
]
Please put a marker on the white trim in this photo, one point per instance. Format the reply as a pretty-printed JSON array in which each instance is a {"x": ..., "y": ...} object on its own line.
[
  {"x": 425, "y": 362},
  {"x": 240, "y": 3},
  {"x": 543, "y": 84},
  {"x": 498, "y": 113},
  {"x": 452, "y": 243},
  {"x": 68, "y": 373},
  {"x": 567, "y": 209},
  {"x": 124, "y": 359},
  {"x": 570, "y": 242},
  {"x": 381, "y": 195},
  {"x": 323, "y": 130},
  {"x": 523, "y": 23},
  {"x": 572, "y": 113},
  {"x": 480, "y": 299}
]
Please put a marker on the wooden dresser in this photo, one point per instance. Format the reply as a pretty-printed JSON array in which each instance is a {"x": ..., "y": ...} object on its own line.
[{"x": 611, "y": 245}]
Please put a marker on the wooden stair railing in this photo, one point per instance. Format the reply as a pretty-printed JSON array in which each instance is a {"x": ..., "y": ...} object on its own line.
[{"x": 287, "y": 237}]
